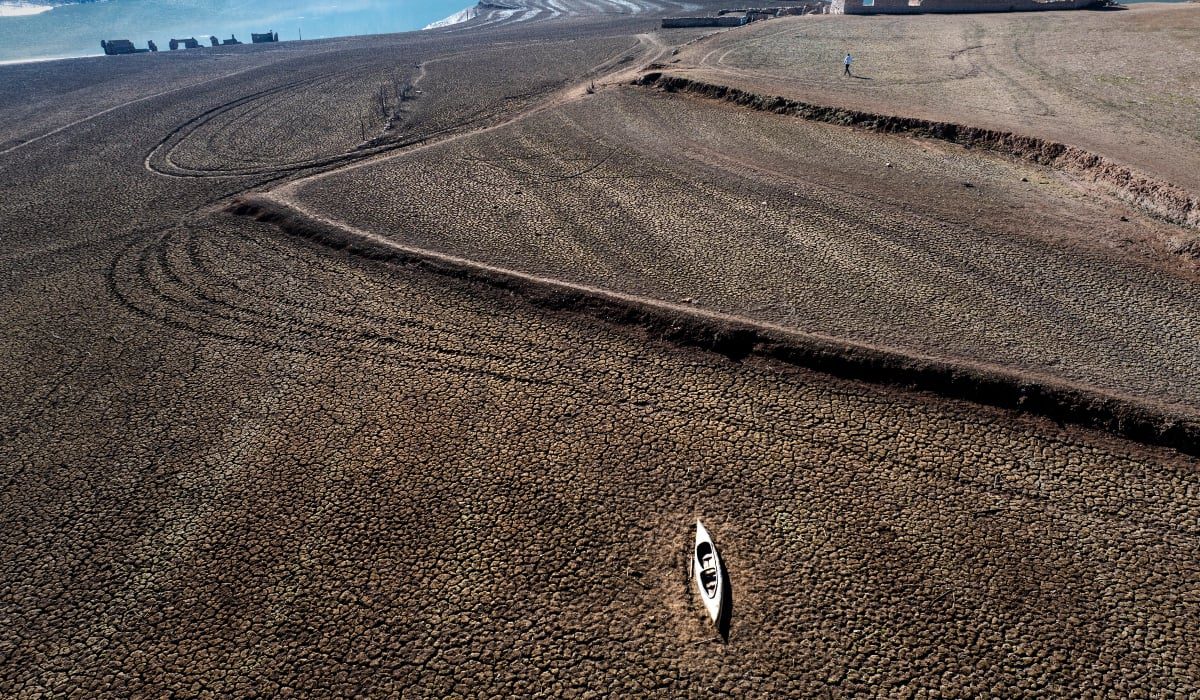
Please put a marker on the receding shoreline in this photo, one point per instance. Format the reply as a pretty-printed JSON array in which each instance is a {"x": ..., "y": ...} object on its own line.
[{"x": 22, "y": 9}]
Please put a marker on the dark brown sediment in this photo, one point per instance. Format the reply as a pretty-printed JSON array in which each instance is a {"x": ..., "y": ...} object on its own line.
[
  {"x": 1155, "y": 197},
  {"x": 741, "y": 338}
]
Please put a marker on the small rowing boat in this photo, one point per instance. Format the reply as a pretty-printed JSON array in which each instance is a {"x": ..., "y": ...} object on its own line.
[{"x": 706, "y": 569}]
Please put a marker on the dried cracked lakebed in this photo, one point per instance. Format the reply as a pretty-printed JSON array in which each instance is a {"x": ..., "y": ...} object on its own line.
[{"x": 435, "y": 427}]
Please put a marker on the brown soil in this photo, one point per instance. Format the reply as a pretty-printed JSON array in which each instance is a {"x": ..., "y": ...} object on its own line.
[{"x": 238, "y": 461}]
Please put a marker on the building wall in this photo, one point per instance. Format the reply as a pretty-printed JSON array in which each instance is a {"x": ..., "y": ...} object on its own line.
[
  {"x": 726, "y": 21},
  {"x": 905, "y": 7}
]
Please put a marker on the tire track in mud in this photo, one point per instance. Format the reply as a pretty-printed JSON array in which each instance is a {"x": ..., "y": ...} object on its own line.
[
  {"x": 1028, "y": 100},
  {"x": 190, "y": 269},
  {"x": 164, "y": 279},
  {"x": 123, "y": 105},
  {"x": 150, "y": 280},
  {"x": 1084, "y": 406},
  {"x": 160, "y": 159},
  {"x": 715, "y": 61},
  {"x": 619, "y": 69},
  {"x": 1023, "y": 48},
  {"x": 172, "y": 281},
  {"x": 887, "y": 264},
  {"x": 154, "y": 286},
  {"x": 292, "y": 169},
  {"x": 987, "y": 384}
]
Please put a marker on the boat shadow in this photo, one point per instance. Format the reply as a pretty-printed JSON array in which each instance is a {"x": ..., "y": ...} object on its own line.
[{"x": 723, "y": 621}]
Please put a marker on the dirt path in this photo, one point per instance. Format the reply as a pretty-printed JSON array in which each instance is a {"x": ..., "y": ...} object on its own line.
[{"x": 619, "y": 69}]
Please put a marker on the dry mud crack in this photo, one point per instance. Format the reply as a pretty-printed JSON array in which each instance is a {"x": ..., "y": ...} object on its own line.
[{"x": 432, "y": 417}]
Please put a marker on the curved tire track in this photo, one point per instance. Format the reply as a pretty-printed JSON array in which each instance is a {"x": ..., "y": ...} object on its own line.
[{"x": 161, "y": 280}]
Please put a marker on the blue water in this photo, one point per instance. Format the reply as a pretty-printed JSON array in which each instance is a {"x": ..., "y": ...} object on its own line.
[{"x": 76, "y": 30}]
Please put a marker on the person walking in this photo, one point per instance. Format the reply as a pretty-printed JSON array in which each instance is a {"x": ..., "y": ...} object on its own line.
[{"x": 846, "y": 62}]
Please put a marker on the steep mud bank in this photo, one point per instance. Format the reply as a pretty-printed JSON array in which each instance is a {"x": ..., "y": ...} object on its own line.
[
  {"x": 741, "y": 338},
  {"x": 1157, "y": 198}
]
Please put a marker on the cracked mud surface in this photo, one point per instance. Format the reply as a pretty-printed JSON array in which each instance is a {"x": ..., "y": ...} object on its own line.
[
  {"x": 234, "y": 462},
  {"x": 329, "y": 476}
]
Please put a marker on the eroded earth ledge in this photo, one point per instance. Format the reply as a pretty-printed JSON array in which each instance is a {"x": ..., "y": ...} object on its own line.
[
  {"x": 740, "y": 337},
  {"x": 1159, "y": 198}
]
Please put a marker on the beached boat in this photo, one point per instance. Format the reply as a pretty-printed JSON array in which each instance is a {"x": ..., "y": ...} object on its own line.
[{"x": 706, "y": 569}]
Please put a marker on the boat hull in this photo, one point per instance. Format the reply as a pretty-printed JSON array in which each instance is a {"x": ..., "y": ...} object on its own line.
[{"x": 708, "y": 573}]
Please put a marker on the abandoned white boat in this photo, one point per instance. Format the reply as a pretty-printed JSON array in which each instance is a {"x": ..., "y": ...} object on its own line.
[{"x": 706, "y": 569}]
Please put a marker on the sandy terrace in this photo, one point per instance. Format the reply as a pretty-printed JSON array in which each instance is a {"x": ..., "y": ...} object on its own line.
[{"x": 887, "y": 240}]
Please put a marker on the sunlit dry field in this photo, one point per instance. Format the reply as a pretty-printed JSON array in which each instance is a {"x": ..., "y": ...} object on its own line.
[
  {"x": 242, "y": 458},
  {"x": 1122, "y": 83}
]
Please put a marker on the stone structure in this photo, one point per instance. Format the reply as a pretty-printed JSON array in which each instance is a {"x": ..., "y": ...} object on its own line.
[
  {"x": 118, "y": 47},
  {"x": 812, "y": 7},
  {"x": 724, "y": 21},
  {"x": 907, "y": 7},
  {"x": 189, "y": 43},
  {"x": 738, "y": 17},
  {"x": 268, "y": 38}
]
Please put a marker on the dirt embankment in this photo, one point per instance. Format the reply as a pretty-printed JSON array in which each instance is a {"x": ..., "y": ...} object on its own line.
[
  {"x": 1158, "y": 198},
  {"x": 741, "y": 338}
]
